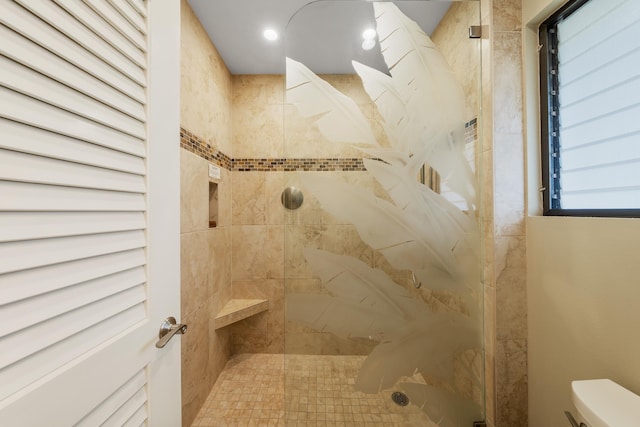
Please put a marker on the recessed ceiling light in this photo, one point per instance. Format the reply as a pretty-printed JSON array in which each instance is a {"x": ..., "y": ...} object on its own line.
[
  {"x": 369, "y": 34},
  {"x": 270, "y": 34},
  {"x": 368, "y": 44}
]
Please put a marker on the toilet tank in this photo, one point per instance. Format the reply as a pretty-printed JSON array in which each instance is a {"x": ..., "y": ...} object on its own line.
[{"x": 603, "y": 403}]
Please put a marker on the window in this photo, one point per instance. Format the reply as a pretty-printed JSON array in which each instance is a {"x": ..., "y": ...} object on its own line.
[{"x": 590, "y": 101}]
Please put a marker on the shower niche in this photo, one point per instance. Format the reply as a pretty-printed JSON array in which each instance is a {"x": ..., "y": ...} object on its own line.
[
  {"x": 213, "y": 204},
  {"x": 214, "y": 181}
]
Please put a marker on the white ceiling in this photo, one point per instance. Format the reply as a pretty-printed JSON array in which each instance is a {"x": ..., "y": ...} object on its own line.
[{"x": 325, "y": 35}]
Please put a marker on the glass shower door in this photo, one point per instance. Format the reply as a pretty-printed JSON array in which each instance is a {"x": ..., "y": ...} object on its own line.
[{"x": 383, "y": 277}]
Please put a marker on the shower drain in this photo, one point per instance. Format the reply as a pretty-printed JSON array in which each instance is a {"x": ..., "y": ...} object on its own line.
[{"x": 400, "y": 398}]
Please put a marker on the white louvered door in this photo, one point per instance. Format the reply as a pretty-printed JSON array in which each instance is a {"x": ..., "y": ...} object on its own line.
[{"x": 89, "y": 212}]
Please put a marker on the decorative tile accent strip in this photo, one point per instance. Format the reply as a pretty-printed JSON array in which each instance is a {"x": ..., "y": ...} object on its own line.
[
  {"x": 290, "y": 165},
  {"x": 199, "y": 147}
]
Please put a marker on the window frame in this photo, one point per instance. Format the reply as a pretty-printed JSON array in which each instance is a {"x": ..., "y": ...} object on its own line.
[{"x": 549, "y": 122}]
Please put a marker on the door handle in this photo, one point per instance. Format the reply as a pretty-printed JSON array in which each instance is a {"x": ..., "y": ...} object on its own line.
[{"x": 168, "y": 329}]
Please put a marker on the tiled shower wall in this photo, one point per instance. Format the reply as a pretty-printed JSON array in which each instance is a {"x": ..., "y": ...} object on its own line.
[
  {"x": 255, "y": 226},
  {"x": 260, "y": 223},
  {"x": 257, "y": 240},
  {"x": 267, "y": 239},
  {"x": 205, "y": 259},
  {"x": 503, "y": 196},
  {"x": 509, "y": 213},
  {"x": 504, "y": 208}
]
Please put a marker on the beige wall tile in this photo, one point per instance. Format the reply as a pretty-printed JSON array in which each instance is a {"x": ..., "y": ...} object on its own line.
[
  {"x": 276, "y": 316},
  {"x": 349, "y": 85},
  {"x": 486, "y": 186},
  {"x": 490, "y": 351},
  {"x": 509, "y": 211},
  {"x": 488, "y": 254},
  {"x": 344, "y": 239},
  {"x": 311, "y": 212},
  {"x": 486, "y": 120},
  {"x": 205, "y": 253},
  {"x": 509, "y": 197},
  {"x": 205, "y": 84},
  {"x": 205, "y": 287},
  {"x": 333, "y": 345},
  {"x": 195, "y": 363},
  {"x": 263, "y": 333},
  {"x": 377, "y": 126},
  {"x": 468, "y": 368},
  {"x": 225, "y": 198},
  {"x": 190, "y": 408},
  {"x": 511, "y": 383},
  {"x": 274, "y": 185},
  {"x": 255, "y": 289},
  {"x": 194, "y": 193},
  {"x": 219, "y": 351},
  {"x": 339, "y": 239},
  {"x": 486, "y": 11},
  {"x": 509, "y": 218},
  {"x": 507, "y": 83},
  {"x": 248, "y": 207},
  {"x": 510, "y": 252},
  {"x": 219, "y": 260},
  {"x": 250, "y": 335},
  {"x": 511, "y": 325},
  {"x": 194, "y": 271},
  {"x": 402, "y": 277},
  {"x": 258, "y": 252},
  {"x": 303, "y": 139},
  {"x": 303, "y": 343},
  {"x": 462, "y": 53},
  {"x": 507, "y": 15},
  {"x": 257, "y": 131},
  {"x": 219, "y": 300},
  {"x": 258, "y": 90}
]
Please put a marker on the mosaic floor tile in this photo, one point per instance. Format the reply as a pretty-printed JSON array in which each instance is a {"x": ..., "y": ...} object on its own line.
[{"x": 299, "y": 390}]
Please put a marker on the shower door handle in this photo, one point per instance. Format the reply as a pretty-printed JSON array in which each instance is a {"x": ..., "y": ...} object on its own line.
[{"x": 168, "y": 329}]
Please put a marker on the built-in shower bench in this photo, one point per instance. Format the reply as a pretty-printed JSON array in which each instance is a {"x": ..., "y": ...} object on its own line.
[{"x": 238, "y": 309}]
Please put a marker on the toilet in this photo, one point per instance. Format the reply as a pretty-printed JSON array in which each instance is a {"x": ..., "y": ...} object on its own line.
[{"x": 603, "y": 403}]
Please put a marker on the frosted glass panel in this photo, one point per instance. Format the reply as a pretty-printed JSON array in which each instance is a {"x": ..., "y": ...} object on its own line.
[{"x": 379, "y": 266}]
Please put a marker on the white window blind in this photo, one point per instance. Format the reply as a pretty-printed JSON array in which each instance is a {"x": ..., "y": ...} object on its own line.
[{"x": 599, "y": 94}]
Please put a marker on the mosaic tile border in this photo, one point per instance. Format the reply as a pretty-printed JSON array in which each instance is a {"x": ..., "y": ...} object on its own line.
[
  {"x": 199, "y": 147},
  {"x": 290, "y": 165}
]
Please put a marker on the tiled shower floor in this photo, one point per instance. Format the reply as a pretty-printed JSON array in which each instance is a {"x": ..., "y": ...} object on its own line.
[{"x": 250, "y": 391}]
